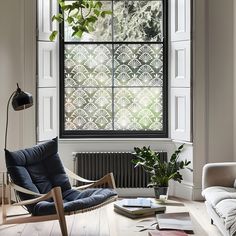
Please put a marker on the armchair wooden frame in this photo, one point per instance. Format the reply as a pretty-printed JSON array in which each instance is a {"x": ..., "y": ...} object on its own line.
[{"x": 56, "y": 194}]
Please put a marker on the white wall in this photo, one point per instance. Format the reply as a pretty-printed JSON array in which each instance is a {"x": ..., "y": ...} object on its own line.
[
  {"x": 213, "y": 85},
  {"x": 220, "y": 80},
  {"x": 17, "y": 64},
  {"x": 234, "y": 103}
]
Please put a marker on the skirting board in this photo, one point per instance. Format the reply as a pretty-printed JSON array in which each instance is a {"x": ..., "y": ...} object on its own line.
[
  {"x": 184, "y": 191},
  {"x": 135, "y": 192}
]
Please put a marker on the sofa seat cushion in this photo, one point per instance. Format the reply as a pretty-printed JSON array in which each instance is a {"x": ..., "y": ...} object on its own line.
[
  {"x": 223, "y": 201},
  {"x": 216, "y": 194},
  {"x": 75, "y": 200}
]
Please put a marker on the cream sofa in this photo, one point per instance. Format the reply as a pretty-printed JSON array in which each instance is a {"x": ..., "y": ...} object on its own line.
[{"x": 219, "y": 191}]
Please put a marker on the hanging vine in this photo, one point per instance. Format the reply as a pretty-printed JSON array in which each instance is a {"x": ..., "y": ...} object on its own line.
[{"x": 79, "y": 15}]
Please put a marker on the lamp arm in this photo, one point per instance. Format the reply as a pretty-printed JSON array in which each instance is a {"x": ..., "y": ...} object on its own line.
[{"x": 8, "y": 103}]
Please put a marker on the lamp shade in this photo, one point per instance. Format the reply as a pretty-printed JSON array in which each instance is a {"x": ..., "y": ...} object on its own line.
[{"x": 21, "y": 100}]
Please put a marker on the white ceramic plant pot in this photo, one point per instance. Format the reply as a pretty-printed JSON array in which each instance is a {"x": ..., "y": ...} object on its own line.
[{"x": 161, "y": 192}]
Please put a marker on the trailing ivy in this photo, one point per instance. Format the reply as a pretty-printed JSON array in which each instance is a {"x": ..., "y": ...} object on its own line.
[{"x": 80, "y": 15}]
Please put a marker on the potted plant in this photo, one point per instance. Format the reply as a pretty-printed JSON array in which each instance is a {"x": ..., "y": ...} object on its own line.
[
  {"x": 80, "y": 15},
  {"x": 161, "y": 171}
]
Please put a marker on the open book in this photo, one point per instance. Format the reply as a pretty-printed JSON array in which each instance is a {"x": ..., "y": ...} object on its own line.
[
  {"x": 177, "y": 221},
  {"x": 137, "y": 202}
]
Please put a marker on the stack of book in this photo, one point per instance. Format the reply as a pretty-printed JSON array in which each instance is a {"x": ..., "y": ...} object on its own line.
[{"x": 138, "y": 207}]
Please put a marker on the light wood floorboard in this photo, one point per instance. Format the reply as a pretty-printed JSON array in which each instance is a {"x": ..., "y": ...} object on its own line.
[{"x": 105, "y": 222}]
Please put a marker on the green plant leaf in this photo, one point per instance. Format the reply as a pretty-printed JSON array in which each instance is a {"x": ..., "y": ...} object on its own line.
[
  {"x": 70, "y": 19},
  {"x": 104, "y": 13},
  {"x": 92, "y": 19},
  {"x": 96, "y": 12},
  {"x": 98, "y": 5},
  {"x": 53, "y": 35}
]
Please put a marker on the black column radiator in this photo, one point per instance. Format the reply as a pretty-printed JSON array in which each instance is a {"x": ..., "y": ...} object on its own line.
[{"x": 94, "y": 165}]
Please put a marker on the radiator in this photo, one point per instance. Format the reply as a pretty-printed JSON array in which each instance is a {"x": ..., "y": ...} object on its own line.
[{"x": 94, "y": 165}]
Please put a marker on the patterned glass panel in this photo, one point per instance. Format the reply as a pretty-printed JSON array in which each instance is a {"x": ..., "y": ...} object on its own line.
[
  {"x": 137, "y": 21},
  {"x": 138, "y": 109},
  {"x": 117, "y": 85},
  {"x": 103, "y": 28},
  {"x": 88, "y": 109},
  {"x": 88, "y": 65},
  {"x": 138, "y": 64}
]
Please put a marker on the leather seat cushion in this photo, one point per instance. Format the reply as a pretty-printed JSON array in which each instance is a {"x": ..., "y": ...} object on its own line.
[{"x": 75, "y": 200}]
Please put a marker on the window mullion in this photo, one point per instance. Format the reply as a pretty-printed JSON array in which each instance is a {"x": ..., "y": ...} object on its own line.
[{"x": 113, "y": 73}]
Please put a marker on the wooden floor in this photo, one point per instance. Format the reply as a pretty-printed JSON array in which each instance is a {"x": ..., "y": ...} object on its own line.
[{"x": 105, "y": 222}]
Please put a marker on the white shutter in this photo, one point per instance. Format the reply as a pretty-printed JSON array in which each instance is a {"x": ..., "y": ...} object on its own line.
[
  {"x": 47, "y": 64},
  {"x": 180, "y": 69},
  {"x": 47, "y": 113},
  {"x": 180, "y": 64},
  {"x": 180, "y": 114},
  {"x": 47, "y": 67},
  {"x": 180, "y": 19},
  {"x": 46, "y": 9}
]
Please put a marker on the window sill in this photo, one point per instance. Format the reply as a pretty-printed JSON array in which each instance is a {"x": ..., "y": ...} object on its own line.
[{"x": 112, "y": 140}]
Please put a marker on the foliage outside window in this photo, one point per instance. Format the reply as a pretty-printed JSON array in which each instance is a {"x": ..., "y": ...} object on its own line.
[{"x": 114, "y": 79}]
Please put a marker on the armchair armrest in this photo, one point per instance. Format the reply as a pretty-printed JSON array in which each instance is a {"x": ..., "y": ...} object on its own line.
[
  {"x": 107, "y": 179},
  {"x": 48, "y": 195},
  {"x": 24, "y": 190},
  {"x": 219, "y": 174},
  {"x": 76, "y": 177}
]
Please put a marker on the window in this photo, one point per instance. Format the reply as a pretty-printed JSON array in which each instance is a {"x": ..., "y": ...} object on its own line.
[{"x": 113, "y": 82}]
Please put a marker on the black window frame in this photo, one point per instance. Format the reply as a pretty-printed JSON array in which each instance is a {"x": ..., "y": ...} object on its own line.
[{"x": 73, "y": 134}]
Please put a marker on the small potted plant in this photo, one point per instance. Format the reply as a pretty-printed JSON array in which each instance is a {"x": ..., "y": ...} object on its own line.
[{"x": 161, "y": 171}]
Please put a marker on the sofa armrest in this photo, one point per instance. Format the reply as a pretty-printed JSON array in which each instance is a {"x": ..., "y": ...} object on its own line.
[{"x": 219, "y": 174}]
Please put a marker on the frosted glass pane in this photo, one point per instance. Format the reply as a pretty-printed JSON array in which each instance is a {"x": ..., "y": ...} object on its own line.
[
  {"x": 138, "y": 109},
  {"x": 88, "y": 65},
  {"x": 138, "y": 64},
  {"x": 88, "y": 109}
]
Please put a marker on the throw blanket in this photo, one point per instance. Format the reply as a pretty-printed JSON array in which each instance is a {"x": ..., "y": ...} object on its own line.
[
  {"x": 226, "y": 209},
  {"x": 230, "y": 222}
]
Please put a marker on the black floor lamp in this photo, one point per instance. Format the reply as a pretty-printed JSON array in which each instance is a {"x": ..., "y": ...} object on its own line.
[{"x": 20, "y": 100}]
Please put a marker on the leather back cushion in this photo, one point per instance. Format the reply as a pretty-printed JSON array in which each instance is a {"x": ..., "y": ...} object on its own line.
[{"x": 38, "y": 168}]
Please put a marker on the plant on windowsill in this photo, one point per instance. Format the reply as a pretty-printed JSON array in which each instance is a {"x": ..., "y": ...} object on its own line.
[
  {"x": 161, "y": 171},
  {"x": 79, "y": 15}
]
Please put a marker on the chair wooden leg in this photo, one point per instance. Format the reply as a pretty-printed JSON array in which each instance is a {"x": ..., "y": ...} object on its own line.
[
  {"x": 3, "y": 200},
  {"x": 57, "y": 197}
]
